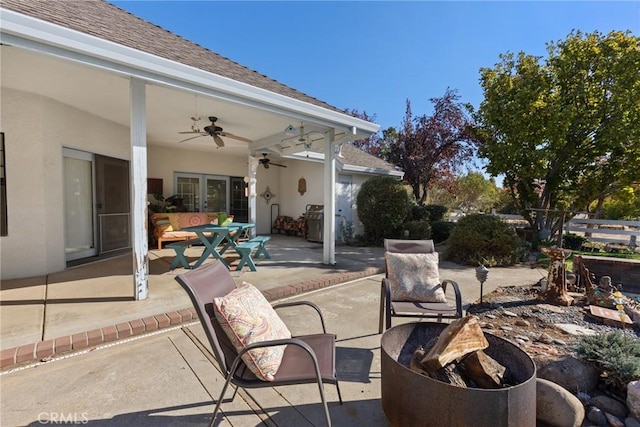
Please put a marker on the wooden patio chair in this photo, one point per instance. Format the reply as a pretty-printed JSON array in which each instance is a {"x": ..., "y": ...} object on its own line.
[
  {"x": 306, "y": 359},
  {"x": 412, "y": 287}
]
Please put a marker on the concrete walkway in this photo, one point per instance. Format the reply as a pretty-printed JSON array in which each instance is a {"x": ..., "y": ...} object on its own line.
[{"x": 165, "y": 376}]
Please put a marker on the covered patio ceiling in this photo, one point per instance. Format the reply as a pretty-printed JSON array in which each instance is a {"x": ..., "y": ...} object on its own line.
[{"x": 169, "y": 110}]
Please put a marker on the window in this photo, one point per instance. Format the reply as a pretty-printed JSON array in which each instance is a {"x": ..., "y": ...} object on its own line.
[{"x": 3, "y": 189}]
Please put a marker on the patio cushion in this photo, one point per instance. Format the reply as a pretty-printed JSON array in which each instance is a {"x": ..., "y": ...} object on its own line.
[
  {"x": 190, "y": 219},
  {"x": 246, "y": 317},
  {"x": 414, "y": 277},
  {"x": 164, "y": 225}
]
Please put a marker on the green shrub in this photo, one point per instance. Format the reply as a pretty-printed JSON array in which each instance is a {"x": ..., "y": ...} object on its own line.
[
  {"x": 436, "y": 212},
  {"x": 383, "y": 206},
  {"x": 483, "y": 239},
  {"x": 418, "y": 230},
  {"x": 573, "y": 241},
  {"x": 419, "y": 212},
  {"x": 617, "y": 354},
  {"x": 440, "y": 230}
]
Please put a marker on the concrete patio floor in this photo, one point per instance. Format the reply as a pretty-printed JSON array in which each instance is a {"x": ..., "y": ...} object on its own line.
[{"x": 166, "y": 377}]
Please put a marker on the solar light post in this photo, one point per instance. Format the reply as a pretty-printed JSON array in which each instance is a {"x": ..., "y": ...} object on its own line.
[{"x": 481, "y": 274}]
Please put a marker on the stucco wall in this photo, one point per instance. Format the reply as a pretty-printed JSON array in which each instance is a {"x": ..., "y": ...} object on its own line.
[
  {"x": 293, "y": 204},
  {"x": 164, "y": 162},
  {"x": 36, "y": 130}
]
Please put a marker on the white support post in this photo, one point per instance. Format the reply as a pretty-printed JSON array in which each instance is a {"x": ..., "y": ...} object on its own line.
[
  {"x": 329, "y": 226},
  {"x": 253, "y": 171},
  {"x": 138, "y": 127}
]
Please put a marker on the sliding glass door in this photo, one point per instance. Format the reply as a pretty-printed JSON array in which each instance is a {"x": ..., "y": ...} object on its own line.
[
  {"x": 79, "y": 200},
  {"x": 96, "y": 204}
]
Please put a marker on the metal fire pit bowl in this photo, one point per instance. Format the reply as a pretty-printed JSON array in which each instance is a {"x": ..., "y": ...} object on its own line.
[{"x": 411, "y": 399}]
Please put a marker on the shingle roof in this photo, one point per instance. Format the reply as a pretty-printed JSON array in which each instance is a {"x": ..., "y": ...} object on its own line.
[
  {"x": 106, "y": 21},
  {"x": 355, "y": 156}
]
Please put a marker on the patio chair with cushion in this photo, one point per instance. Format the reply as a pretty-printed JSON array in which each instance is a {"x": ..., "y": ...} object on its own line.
[
  {"x": 412, "y": 287},
  {"x": 250, "y": 343}
]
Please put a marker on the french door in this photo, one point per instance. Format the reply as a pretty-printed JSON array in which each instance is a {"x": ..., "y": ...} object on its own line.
[{"x": 203, "y": 193}]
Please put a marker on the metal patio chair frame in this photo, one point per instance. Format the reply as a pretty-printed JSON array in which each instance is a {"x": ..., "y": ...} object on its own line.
[
  {"x": 390, "y": 308},
  {"x": 307, "y": 358}
]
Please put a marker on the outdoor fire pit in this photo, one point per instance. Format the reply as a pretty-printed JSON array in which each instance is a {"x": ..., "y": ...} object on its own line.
[{"x": 409, "y": 398}]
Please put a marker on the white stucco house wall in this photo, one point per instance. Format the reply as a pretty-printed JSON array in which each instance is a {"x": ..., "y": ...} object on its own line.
[{"x": 92, "y": 102}]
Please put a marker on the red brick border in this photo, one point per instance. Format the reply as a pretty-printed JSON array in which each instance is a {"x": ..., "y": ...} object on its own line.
[{"x": 45, "y": 350}]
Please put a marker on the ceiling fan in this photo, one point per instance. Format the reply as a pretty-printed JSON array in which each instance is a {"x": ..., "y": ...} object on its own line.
[
  {"x": 216, "y": 132},
  {"x": 266, "y": 162}
]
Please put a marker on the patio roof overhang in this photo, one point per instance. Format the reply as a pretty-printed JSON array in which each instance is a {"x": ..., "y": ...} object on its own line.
[{"x": 260, "y": 115}]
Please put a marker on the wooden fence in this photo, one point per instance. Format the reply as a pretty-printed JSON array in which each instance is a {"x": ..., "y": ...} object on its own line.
[
  {"x": 605, "y": 230},
  {"x": 596, "y": 230}
]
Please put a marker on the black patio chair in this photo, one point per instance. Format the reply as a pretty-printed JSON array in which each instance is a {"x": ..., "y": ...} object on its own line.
[
  {"x": 307, "y": 359},
  {"x": 390, "y": 307}
]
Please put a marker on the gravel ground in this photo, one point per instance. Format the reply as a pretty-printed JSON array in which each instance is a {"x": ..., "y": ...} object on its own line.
[{"x": 515, "y": 313}]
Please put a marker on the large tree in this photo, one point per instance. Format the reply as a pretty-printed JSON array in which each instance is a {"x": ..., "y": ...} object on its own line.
[
  {"x": 564, "y": 131},
  {"x": 475, "y": 193},
  {"x": 433, "y": 149},
  {"x": 373, "y": 145}
]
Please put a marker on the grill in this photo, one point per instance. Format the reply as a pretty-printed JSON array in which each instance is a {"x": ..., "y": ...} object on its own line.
[{"x": 315, "y": 221}]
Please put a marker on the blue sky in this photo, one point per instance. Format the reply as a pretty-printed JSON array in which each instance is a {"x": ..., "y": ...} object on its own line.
[{"x": 373, "y": 56}]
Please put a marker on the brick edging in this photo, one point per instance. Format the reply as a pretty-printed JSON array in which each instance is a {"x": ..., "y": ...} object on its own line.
[{"x": 46, "y": 350}]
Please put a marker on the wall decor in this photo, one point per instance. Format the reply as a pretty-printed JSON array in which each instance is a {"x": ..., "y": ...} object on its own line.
[
  {"x": 267, "y": 195},
  {"x": 302, "y": 186}
]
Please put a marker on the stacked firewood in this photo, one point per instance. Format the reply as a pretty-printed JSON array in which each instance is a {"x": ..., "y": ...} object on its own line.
[{"x": 456, "y": 357}]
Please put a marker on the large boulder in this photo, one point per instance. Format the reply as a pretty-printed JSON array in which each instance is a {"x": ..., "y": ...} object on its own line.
[
  {"x": 633, "y": 398},
  {"x": 573, "y": 374},
  {"x": 556, "y": 406},
  {"x": 610, "y": 405}
]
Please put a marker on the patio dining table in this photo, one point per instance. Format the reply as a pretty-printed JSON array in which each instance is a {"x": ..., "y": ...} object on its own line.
[
  {"x": 213, "y": 235},
  {"x": 231, "y": 240}
]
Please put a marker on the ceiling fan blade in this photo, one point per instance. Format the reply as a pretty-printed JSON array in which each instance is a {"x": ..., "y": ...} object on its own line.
[
  {"x": 193, "y": 137},
  {"x": 219, "y": 142},
  {"x": 239, "y": 138},
  {"x": 189, "y": 131},
  {"x": 277, "y": 164}
]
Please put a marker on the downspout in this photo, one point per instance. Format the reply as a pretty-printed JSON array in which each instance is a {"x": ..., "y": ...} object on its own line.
[{"x": 138, "y": 129}]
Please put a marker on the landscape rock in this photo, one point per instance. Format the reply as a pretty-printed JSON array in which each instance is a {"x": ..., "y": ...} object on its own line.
[
  {"x": 595, "y": 415},
  {"x": 545, "y": 338},
  {"x": 613, "y": 421},
  {"x": 556, "y": 406},
  {"x": 573, "y": 374},
  {"x": 633, "y": 398},
  {"x": 610, "y": 405},
  {"x": 631, "y": 422},
  {"x": 573, "y": 329}
]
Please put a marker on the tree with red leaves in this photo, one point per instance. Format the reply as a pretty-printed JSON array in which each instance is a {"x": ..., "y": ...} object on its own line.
[
  {"x": 373, "y": 145},
  {"x": 434, "y": 149}
]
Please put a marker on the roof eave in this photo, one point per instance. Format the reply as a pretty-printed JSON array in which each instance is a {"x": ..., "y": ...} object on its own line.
[
  {"x": 48, "y": 38},
  {"x": 369, "y": 171}
]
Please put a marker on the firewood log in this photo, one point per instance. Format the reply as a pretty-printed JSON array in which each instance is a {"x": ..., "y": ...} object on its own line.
[
  {"x": 484, "y": 370},
  {"x": 461, "y": 337}
]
